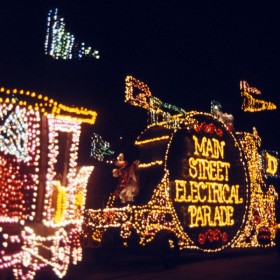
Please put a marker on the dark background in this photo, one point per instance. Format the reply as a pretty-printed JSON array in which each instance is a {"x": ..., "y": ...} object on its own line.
[{"x": 188, "y": 52}]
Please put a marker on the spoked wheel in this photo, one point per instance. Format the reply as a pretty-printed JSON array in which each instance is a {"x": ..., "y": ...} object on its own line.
[
  {"x": 60, "y": 250},
  {"x": 26, "y": 270}
]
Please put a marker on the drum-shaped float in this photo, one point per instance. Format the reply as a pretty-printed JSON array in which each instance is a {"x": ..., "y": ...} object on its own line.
[{"x": 207, "y": 177}]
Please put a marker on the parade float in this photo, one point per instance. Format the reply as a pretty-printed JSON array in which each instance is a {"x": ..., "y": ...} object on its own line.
[
  {"x": 198, "y": 184},
  {"x": 43, "y": 190}
]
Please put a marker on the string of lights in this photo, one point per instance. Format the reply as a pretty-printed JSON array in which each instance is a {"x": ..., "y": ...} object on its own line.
[
  {"x": 209, "y": 207},
  {"x": 42, "y": 192},
  {"x": 61, "y": 44},
  {"x": 252, "y": 104},
  {"x": 100, "y": 148},
  {"x": 138, "y": 94}
]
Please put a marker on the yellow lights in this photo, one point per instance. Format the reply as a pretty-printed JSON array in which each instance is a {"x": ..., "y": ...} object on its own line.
[
  {"x": 40, "y": 183},
  {"x": 38, "y": 102},
  {"x": 83, "y": 115},
  {"x": 79, "y": 200},
  {"x": 220, "y": 197},
  {"x": 60, "y": 207},
  {"x": 201, "y": 216},
  {"x": 203, "y": 169},
  {"x": 148, "y": 141},
  {"x": 202, "y": 192},
  {"x": 59, "y": 201},
  {"x": 153, "y": 163},
  {"x": 207, "y": 198},
  {"x": 209, "y": 194},
  {"x": 138, "y": 94},
  {"x": 213, "y": 170},
  {"x": 146, "y": 220},
  {"x": 252, "y": 104},
  {"x": 261, "y": 209},
  {"x": 209, "y": 147},
  {"x": 270, "y": 162},
  {"x": 140, "y": 99}
]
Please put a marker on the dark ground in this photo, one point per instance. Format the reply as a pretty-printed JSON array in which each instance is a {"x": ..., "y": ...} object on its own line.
[{"x": 257, "y": 264}]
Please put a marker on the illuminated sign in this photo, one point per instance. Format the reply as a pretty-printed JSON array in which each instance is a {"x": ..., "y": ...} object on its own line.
[
  {"x": 270, "y": 162},
  {"x": 208, "y": 184},
  {"x": 199, "y": 179}
]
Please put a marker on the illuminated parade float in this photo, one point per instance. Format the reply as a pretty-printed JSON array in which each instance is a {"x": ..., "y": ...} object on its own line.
[
  {"x": 199, "y": 184},
  {"x": 43, "y": 189}
]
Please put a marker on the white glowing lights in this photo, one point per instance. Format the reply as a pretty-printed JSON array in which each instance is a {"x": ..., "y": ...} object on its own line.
[
  {"x": 100, "y": 148},
  {"x": 61, "y": 44},
  {"x": 159, "y": 213},
  {"x": 234, "y": 213},
  {"x": 13, "y": 131},
  {"x": 40, "y": 182},
  {"x": 138, "y": 94}
]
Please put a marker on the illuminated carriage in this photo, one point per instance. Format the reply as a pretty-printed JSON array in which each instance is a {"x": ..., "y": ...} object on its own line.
[
  {"x": 203, "y": 186},
  {"x": 43, "y": 190}
]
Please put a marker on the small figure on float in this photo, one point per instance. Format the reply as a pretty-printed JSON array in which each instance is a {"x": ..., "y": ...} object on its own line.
[
  {"x": 128, "y": 185},
  {"x": 226, "y": 118}
]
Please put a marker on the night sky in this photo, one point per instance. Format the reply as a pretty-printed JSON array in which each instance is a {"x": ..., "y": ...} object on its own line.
[{"x": 188, "y": 52}]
